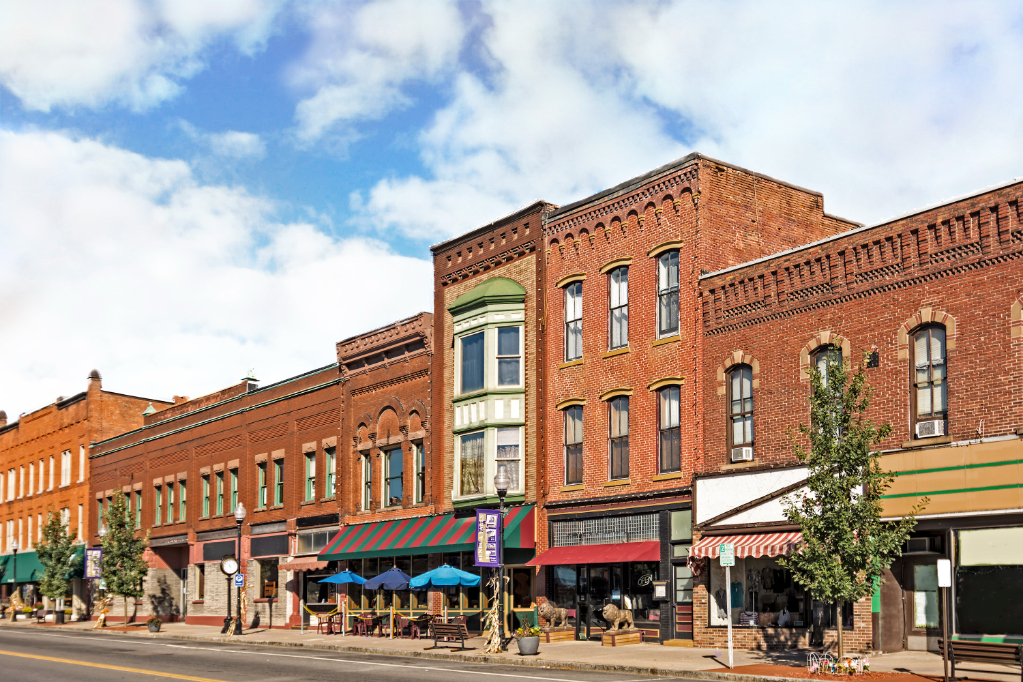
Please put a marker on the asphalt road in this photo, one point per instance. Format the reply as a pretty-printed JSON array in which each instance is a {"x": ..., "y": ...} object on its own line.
[{"x": 35, "y": 655}]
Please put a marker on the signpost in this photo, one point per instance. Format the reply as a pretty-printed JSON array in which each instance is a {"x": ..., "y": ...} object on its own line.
[
  {"x": 727, "y": 557},
  {"x": 944, "y": 582}
]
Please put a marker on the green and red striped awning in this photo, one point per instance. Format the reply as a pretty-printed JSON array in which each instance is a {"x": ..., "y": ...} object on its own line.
[{"x": 426, "y": 535}]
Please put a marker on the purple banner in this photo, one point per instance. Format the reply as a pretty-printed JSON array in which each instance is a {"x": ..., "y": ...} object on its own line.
[
  {"x": 488, "y": 537},
  {"x": 93, "y": 559}
]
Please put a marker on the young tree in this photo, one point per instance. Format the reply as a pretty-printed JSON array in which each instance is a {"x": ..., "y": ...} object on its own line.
[
  {"x": 123, "y": 566},
  {"x": 56, "y": 553},
  {"x": 845, "y": 547}
]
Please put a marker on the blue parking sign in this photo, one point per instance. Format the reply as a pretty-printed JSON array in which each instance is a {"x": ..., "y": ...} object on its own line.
[{"x": 239, "y": 580}]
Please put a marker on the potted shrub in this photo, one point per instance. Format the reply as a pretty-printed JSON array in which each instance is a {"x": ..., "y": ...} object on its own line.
[
  {"x": 528, "y": 639},
  {"x": 154, "y": 624}
]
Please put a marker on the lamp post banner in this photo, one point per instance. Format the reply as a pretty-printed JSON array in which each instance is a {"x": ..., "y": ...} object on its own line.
[
  {"x": 93, "y": 560},
  {"x": 488, "y": 537}
]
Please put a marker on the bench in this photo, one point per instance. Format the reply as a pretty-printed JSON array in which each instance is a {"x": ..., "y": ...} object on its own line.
[
  {"x": 982, "y": 652},
  {"x": 449, "y": 630}
]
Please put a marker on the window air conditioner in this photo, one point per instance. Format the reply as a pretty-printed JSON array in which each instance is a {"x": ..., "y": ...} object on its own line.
[
  {"x": 742, "y": 454},
  {"x": 922, "y": 545},
  {"x": 930, "y": 429}
]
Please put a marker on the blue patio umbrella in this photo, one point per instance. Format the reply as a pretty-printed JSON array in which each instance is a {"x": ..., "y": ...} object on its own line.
[
  {"x": 445, "y": 576},
  {"x": 344, "y": 577},
  {"x": 392, "y": 579}
]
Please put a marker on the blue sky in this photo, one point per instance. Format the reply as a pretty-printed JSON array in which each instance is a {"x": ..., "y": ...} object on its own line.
[{"x": 189, "y": 188}]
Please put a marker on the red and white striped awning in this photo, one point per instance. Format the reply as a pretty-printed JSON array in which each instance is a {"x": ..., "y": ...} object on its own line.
[{"x": 747, "y": 546}]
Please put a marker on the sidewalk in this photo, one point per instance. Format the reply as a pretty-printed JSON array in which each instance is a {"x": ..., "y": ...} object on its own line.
[{"x": 637, "y": 659}]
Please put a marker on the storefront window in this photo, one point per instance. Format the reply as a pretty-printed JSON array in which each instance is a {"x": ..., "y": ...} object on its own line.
[
  {"x": 763, "y": 593},
  {"x": 563, "y": 593},
  {"x": 925, "y": 596},
  {"x": 522, "y": 588},
  {"x": 639, "y": 594},
  {"x": 420, "y": 565}
]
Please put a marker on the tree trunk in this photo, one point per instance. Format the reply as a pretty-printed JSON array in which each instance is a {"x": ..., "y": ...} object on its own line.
[
  {"x": 841, "y": 625},
  {"x": 125, "y": 611}
]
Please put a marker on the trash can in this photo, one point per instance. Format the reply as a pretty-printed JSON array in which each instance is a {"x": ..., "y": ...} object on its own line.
[{"x": 58, "y": 616}]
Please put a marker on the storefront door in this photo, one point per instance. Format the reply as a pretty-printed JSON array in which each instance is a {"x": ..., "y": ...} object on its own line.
[{"x": 893, "y": 610}]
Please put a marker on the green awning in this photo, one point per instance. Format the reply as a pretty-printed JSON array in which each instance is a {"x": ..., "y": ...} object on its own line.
[
  {"x": 426, "y": 535},
  {"x": 29, "y": 568}
]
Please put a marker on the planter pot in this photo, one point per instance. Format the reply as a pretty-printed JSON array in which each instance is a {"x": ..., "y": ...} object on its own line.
[
  {"x": 528, "y": 646},
  {"x": 154, "y": 627},
  {"x": 58, "y": 617}
]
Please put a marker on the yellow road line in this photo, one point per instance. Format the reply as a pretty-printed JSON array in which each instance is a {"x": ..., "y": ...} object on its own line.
[{"x": 110, "y": 667}]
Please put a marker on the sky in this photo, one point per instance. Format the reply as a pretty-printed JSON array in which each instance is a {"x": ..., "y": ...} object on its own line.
[{"x": 190, "y": 189}]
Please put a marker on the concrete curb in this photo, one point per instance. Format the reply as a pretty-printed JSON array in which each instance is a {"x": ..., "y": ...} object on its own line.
[{"x": 465, "y": 658}]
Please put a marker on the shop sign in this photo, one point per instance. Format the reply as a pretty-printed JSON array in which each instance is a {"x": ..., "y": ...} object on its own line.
[
  {"x": 727, "y": 553},
  {"x": 93, "y": 560},
  {"x": 488, "y": 537}
]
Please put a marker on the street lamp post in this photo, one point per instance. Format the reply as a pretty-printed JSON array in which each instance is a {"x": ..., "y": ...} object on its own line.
[
  {"x": 14, "y": 547},
  {"x": 239, "y": 516},
  {"x": 501, "y": 482}
]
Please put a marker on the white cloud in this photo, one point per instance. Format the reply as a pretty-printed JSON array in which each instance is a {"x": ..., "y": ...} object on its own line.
[
  {"x": 128, "y": 264},
  {"x": 230, "y": 143},
  {"x": 883, "y": 107},
  {"x": 68, "y": 53},
  {"x": 361, "y": 57}
]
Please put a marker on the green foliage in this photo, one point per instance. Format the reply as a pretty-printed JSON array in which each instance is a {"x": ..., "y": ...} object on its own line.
[
  {"x": 845, "y": 544},
  {"x": 123, "y": 566},
  {"x": 56, "y": 553},
  {"x": 528, "y": 630}
]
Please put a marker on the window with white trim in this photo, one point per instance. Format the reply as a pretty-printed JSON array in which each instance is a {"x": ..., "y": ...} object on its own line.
[
  {"x": 509, "y": 455},
  {"x": 930, "y": 378},
  {"x": 52, "y": 466},
  {"x": 618, "y": 436},
  {"x": 667, "y": 294},
  {"x": 509, "y": 356},
  {"x": 573, "y": 321},
  {"x": 618, "y": 308},
  {"x": 81, "y": 463},
  {"x": 669, "y": 430},
  {"x": 472, "y": 463},
  {"x": 573, "y": 445}
]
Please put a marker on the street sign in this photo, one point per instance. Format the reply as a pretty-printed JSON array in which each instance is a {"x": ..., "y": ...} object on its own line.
[
  {"x": 944, "y": 573},
  {"x": 727, "y": 550},
  {"x": 239, "y": 580}
]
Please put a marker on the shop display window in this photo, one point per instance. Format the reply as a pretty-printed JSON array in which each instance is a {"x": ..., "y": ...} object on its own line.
[
  {"x": 763, "y": 594},
  {"x": 639, "y": 592}
]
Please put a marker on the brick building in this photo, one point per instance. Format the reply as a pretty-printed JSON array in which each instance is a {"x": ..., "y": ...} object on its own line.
[
  {"x": 44, "y": 467},
  {"x": 935, "y": 298},
  {"x": 273, "y": 449},
  {"x": 622, "y": 368}
]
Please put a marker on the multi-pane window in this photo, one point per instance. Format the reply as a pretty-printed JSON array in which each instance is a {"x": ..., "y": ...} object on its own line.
[
  {"x": 573, "y": 444},
  {"x": 170, "y": 503},
  {"x": 278, "y": 481},
  {"x": 158, "y": 507},
  {"x": 394, "y": 463},
  {"x": 310, "y": 476},
  {"x": 234, "y": 489},
  {"x": 669, "y": 430},
  {"x": 574, "y": 321},
  {"x": 330, "y": 469},
  {"x": 261, "y": 485},
  {"x": 667, "y": 294},
  {"x": 930, "y": 387},
  {"x": 205, "y": 496},
  {"x": 509, "y": 356},
  {"x": 740, "y": 410},
  {"x": 367, "y": 482},
  {"x": 220, "y": 493},
  {"x": 618, "y": 412},
  {"x": 138, "y": 508},
  {"x": 618, "y": 313},
  {"x": 471, "y": 463},
  {"x": 509, "y": 455},
  {"x": 472, "y": 363}
]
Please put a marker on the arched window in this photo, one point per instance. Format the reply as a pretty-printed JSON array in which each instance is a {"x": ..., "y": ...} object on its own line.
[
  {"x": 667, "y": 294},
  {"x": 740, "y": 413},
  {"x": 618, "y": 308},
  {"x": 573, "y": 445},
  {"x": 824, "y": 356},
  {"x": 573, "y": 321},
  {"x": 618, "y": 434},
  {"x": 929, "y": 395},
  {"x": 668, "y": 425}
]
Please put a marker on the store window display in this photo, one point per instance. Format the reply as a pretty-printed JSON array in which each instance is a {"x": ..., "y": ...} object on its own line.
[{"x": 763, "y": 594}]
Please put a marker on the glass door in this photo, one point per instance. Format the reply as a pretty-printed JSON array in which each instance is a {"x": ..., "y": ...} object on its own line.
[{"x": 597, "y": 595}]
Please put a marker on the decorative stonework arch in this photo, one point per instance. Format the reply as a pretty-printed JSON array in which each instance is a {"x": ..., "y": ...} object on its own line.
[
  {"x": 614, "y": 393},
  {"x": 1016, "y": 315},
  {"x": 815, "y": 342},
  {"x": 569, "y": 402},
  {"x": 926, "y": 316},
  {"x": 738, "y": 357}
]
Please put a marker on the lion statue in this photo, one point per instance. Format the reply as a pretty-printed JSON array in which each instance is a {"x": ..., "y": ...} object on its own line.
[
  {"x": 616, "y": 616},
  {"x": 552, "y": 614}
]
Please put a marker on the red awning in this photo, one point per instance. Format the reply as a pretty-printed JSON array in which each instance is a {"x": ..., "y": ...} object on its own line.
[
  {"x": 599, "y": 554},
  {"x": 761, "y": 544},
  {"x": 305, "y": 563}
]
